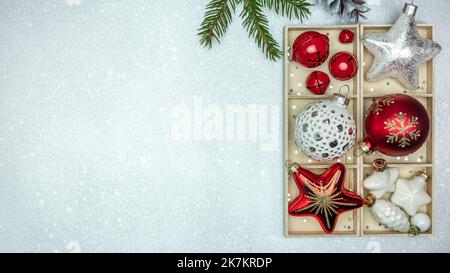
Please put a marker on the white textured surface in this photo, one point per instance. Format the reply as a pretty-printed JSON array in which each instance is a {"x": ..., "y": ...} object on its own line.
[
  {"x": 87, "y": 162},
  {"x": 324, "y": 130}
]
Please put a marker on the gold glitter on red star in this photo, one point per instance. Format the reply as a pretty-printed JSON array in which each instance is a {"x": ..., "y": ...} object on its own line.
[{"x": 323, "y": 196}]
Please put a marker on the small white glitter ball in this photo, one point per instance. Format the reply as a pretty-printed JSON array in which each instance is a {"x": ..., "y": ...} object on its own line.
[
  {"x": 422, "y": 221},
  {"x": 325, "y": 129}
]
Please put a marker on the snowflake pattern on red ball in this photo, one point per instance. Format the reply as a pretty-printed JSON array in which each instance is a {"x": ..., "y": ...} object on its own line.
[
  {"x": 402, "y": 130},
  {"x": 378, "y": 105}
]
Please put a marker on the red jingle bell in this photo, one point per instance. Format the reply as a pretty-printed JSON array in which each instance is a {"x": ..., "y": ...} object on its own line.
[
  {"x": 343, "y": 66},
  {"x": 317, "y": 82},
  {"x": 395, "y": 125},
  {"x": 346, "y": 36},
  {"x": 311, "y": 49}
]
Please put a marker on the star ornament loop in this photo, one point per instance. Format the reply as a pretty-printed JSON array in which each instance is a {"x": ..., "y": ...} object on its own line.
[
  {"x": 399, "y": 52},
  {"x": 323, "y": 196}
]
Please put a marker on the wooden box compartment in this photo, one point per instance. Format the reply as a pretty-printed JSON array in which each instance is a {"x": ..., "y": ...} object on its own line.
[
  {"x": 361, "y": 93},
  {"x": 370, "y": 227},
  {"x": 347, "y": 223}
]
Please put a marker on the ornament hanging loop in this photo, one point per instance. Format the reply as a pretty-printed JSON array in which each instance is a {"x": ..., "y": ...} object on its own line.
[
  {"x": 424, "y": 173},
  {"x": 292, "y": 167},
  {"x": 413, "y": 231},
  {"x": 348, "y": 90},
  {"x": 340, "y": 98}
]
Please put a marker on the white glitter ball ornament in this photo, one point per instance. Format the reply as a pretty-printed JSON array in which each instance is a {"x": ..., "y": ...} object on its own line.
[
  {"x": 422, "y": 221},
  {"x": 325, "y": 129}
]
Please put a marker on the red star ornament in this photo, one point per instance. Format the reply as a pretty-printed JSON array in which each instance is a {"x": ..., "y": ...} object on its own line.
[{"x": 323, "y": 196}]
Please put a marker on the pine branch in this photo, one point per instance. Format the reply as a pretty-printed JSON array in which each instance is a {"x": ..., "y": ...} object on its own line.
[
  {"x": 218, "y": 16},
  {"x": 290, "y": 8},
  {"x": 216, "y": 20},
  {"x": 255, "y": 22}
]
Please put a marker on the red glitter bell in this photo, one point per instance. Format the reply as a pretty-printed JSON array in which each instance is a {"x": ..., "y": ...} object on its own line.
[
  {"x": 395, "y": 125},
  {"x": 317, "y": 82},
  {"x": 311, "y": 49},
  {"x": 346, "y": 36},
  {"x": 343, "y": 66}
]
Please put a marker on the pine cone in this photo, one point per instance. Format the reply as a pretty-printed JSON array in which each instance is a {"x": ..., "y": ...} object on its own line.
[
  {"x": 351, "y": 10},
  {"x": 390, "y": 215}
]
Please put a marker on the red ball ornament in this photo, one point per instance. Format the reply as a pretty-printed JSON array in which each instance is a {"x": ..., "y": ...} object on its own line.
[
  {"x": 317, "y": 82},
  {"x": 323, "y": 196},
  {"x": 310, "y": 49},
  {"x": 395, "y": 125},
  {"x": 343, "y": 65},
  {"x": 346, "y": 36}
]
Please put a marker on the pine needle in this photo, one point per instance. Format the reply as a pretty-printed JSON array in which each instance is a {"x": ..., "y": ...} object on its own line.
[
  {"x": 216, "y": 20},
  {"x": 298, "y": 9},
  {"x": 255, "y": 22}
]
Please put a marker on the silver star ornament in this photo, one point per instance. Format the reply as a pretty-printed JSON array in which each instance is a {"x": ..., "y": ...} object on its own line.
[{"x": 399, "y": 52}]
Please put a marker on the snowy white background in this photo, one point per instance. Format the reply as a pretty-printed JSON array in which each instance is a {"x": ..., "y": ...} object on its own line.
[{"x": 87, "y": 162}]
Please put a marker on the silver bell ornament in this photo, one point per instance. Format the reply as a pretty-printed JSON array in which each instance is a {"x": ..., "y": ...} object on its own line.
[
  {"x": 399, "y": 52},
  {"x": 325, "y": 129}
]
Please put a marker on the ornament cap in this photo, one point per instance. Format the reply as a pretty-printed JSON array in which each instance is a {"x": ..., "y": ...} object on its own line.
[
  {"x": 366, "y": 146},
  {"x": 369, "y": 200},
  {"x": 291, "y": 167},
  {"x": 379, "y": 164},
  {"x": 340, "y": 99},
  {"x": 410, "y": 9}
]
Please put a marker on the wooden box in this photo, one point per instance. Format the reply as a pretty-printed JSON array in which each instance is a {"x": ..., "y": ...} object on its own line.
[{"x": 358, "y": 222}]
